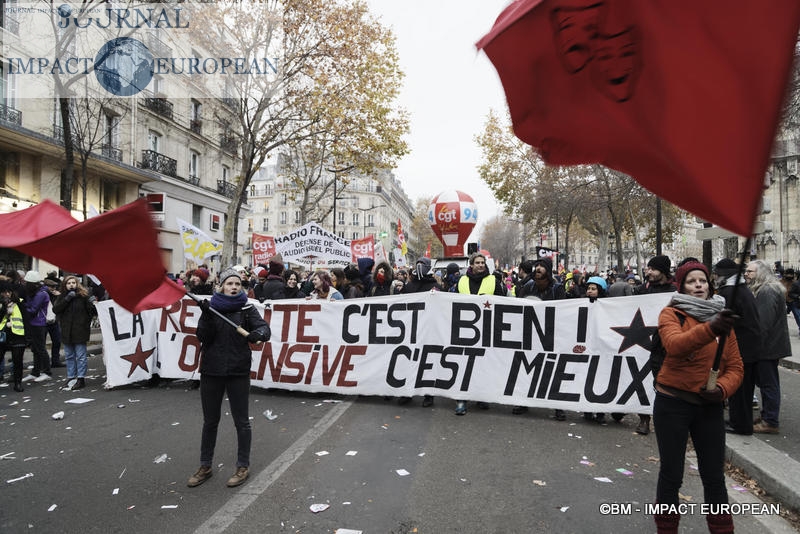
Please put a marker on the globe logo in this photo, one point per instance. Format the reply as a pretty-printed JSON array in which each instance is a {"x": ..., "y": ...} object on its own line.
[
  {"x": 124, "y": 66},
  {"x": 64, "y": 10}
]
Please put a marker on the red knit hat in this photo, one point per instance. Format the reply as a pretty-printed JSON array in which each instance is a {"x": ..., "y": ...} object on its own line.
[{"x": 202, "y": 274}]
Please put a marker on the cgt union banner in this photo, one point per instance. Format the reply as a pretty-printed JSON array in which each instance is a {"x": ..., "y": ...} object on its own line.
[{"x": 570, "y": 354}]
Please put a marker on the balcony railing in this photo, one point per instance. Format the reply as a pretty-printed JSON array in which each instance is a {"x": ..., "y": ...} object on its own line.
[
  {"x": 58, "y": 134},
  {"x": 159, "y": 162},
  {"x": 193, "y": 179},
  {"x": 228, "y": 143},
  {"x": 161, "y": 106},
  {"x": 9, "y": 114},
  {"x": 158, "y": 47},
  {"x": 196, "y": 125},
  {"x": 228, "y": 189},
  {"x": 111, "y": 152}
]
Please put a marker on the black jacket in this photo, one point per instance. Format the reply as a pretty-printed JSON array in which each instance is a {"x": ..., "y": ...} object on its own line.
[
  {"x": 747, "y": 327},
  {"x": 274, "y": 288},
  {"x": 225, "y": 352},
  {"x": 75, "y": 317}
]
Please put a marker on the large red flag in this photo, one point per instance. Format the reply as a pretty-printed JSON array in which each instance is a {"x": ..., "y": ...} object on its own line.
[
  {"x": 683, "y": 96},
  {"x": 120, "y": 247}
]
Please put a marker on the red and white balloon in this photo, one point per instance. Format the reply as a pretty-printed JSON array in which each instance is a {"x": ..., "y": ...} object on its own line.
[{"x": 452, "y": 215}]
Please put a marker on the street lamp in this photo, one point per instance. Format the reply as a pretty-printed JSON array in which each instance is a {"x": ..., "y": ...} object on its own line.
[{"x": 365, "y": 210}]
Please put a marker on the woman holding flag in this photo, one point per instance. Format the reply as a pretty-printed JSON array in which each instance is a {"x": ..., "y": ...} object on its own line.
[{"x": 686, "y": 403}]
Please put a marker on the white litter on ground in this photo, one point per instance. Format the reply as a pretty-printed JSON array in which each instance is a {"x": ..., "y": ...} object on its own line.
[
  {"x": 52, "y": 507},
  {"x": 23, "y": 477},
  {"x": 403, "y": 472},
  {"x": 322, "y": 453},
  {"x": 58, "y": 415},
  {"x": 316, "y": 508},
  {"x": 78, "y": 400},
  {"x": 269, "y": 415},
  {"x": 351, "y": 453},
  {"x": 160, "y": 459}
]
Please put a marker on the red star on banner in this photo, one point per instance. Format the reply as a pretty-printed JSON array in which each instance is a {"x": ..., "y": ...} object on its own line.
[
  {"x": 487, "y": 305},
  {"x": 138, "y": 358}
]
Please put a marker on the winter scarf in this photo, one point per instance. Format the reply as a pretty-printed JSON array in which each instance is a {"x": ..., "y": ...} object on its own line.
[
  {"x": 226, "y": 303},
  {"x": 702, "y": 310}
]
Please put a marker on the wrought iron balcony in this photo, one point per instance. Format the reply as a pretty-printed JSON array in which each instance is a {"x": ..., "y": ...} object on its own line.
[
  {"x": 229, "y": 101},
  {"x": 196, "y": 125},
  {"x": 9, "y": 114},
  {"x": 161, "y": 106},
  {"x": 228, "y": 143},
  {"x": 58, "y": 133},
  {"x": 111, "y": 152},
  {"x": 193, "y": 179},
  {"x": 158, "y": 47},
  {"x": 159, "y": 162},
  {"x": 228, "y": 189}
]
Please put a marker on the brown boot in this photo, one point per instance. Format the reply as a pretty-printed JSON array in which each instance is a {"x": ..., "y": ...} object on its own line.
[
  {"x": 238, "y": 477},
  {"x": 667, "y": 523},
  {"x": 203, "y": 474},
  {"x": 643, "y": 427},
  {"x": 720, "y": 523}
]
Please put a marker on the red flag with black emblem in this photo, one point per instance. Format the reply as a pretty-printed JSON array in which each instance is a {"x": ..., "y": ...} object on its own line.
[{"x": 683, "y": 96}]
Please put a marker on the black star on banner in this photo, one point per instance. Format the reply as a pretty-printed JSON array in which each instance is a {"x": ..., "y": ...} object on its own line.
[
  {"x": 138, "y": 358},
  {"x": 635, "y": 334}
]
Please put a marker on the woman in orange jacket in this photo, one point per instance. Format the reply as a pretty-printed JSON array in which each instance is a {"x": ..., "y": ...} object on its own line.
[{"x": 684, "y": 406}]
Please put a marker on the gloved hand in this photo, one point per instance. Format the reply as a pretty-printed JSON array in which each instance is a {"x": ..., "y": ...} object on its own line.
[
  {"x": 723, "y": 322},
  {"x": 254, "y": 337},
  {"x": 70, "y": 296},
  {"x": 205, "y": 306},
  {"x": 715, "y": 395}
]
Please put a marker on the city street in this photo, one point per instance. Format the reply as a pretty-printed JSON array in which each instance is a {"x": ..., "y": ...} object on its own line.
[{"x": 119, "y": 463}]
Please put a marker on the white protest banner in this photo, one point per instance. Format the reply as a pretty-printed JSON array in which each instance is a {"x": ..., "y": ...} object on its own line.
[
  {"x": 571, "y": 354},
  {"x": 380, "y": 253},
  {"x": 197, "y": 245},
  {"x": 311, "y": 243},
  {"x": 263, "y": 248}
]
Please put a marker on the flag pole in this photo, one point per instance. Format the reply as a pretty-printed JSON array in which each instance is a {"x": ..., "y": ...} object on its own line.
[
  {"x": 238, "y": 328},
  {"x": 714, "y": 372}
]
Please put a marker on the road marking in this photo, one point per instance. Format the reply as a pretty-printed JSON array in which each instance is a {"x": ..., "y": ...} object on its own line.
[{"x": 231, "y": 510}]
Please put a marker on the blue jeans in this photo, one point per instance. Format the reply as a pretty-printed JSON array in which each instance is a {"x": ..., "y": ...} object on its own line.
[
  {"x": 675, "y": 420},
  {"x": 212, "y": 391},
  {"x": 795, "y": 309},
  {"x": 75, "y": 358},
  {"x": 769, "y": 383}
]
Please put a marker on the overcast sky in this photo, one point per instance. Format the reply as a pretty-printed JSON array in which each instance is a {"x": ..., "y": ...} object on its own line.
[{"x": 448, "y": 90}]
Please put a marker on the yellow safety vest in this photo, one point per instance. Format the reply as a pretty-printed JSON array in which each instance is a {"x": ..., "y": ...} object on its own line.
[
  {"x": 487, "y": 285},
  {"x": 17, "y": 326}
]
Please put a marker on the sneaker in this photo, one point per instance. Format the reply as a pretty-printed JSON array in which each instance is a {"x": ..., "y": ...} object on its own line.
[
  {"x": 238, "y": 477},
  {"x": 765, "y": 428},
  {"x": 42, "y": 377},
  {"x": 427, "y": 400},
  {"x": 755, "y": 401},
  {"x": 29, "y": 378},
  {"x": 643, "y": 427},
  {"x": 461, "y": 408},
  {"x": 560, "y": 415},
  {"x": 80, "y": 383},
  {"x": 203, "y": 474}
]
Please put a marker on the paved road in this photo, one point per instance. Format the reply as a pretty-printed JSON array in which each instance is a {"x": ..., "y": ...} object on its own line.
[{"x": 486, "y": 472}]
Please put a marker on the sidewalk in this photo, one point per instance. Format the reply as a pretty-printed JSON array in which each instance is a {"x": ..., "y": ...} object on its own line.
[{"x": 775, "y": 470}]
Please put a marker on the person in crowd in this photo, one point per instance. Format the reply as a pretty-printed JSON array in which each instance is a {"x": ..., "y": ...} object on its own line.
[
  {"x": 382, "y": 280},
  {"x": 12, "y": 325},
  {"x": 595, "y": 288},
  {"x": 576, "y": 288},
  {"x": 422, "y": 280},
  {"x": 658, "y": 281},
  {"x": 400, "y": 280},
  {"x": 198, "y": 283},
  {"x": 451, "y": 278},
  {"x": 620, "y": 288},
  {"x": 748, "y": 335},
  {"x": 792, "y": 285},
  {"x": 353, "y": 287},
  {"x": 365, "y": 266},
  {"x": 52, "y": 282},
  {"x": 292, "y": 285},
  {"x": 74, "y": 308},
  {"x": 539, "y": 284},
  {"x": 305, "y": 282},
  {"x": 323, "y": 287},
  {"x": 35, "y": 302},
  {"x": 476, "y": 281},
  {"x": 225, "y": 369},
  {"x": 338, "y": 279},
  {"x": 683, "y": 406},
  {"x": 256, "y": 291},
  {"x": 274, "y": 287},
  {"x": 771, "y": 303}
]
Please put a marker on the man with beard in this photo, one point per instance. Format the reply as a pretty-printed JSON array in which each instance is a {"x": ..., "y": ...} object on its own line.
[
  {"x": 478, "y": 281},
  {"x": 539, "y": 285}
]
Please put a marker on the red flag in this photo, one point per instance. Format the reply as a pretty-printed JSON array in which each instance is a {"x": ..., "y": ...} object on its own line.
[
  {"x": 263, "y": 248},
  {"x": 428, "y": 250},
  {"x": 401, "y": 238},
  {"x": 120, "y": 247},
  {"x": 683, "y": 96}
]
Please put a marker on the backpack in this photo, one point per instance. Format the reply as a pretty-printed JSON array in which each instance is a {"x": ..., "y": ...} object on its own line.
[
  {"x": 50, "y": 316},
  {"x": 658, "y": 352}
]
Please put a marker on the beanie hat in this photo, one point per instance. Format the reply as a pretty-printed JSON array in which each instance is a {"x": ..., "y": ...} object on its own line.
[
  {"x": 684, "y": 269},
  {"x": 660, "y": 263},
  {"x": 423, "y": 266},
  {"x": 599, "y": 282},
  {"x": 452, "y": 268},
  {"x": 630, "y": 277},
  {"x": 351, "y": 272},
  {"x": 726, "y": 267},
  {"x": 227, "y": 273},
  {"x": 202, "y": 274},
  {"x": 33, "y": 277},
  {"x": 276, "y": 265},
  {"x": 260, "y": 272},
  {"x": 545, "y": 262}
]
